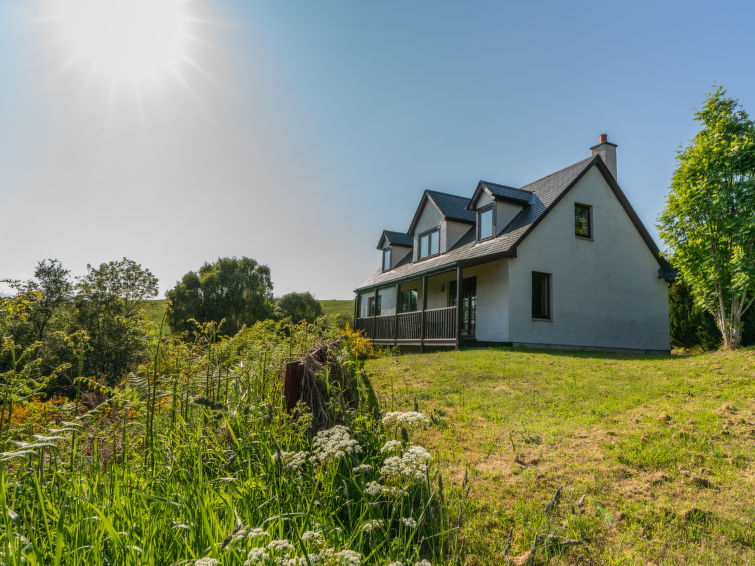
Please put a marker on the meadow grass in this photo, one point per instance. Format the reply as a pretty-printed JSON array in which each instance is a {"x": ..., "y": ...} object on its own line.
[{"x": 654, "y": 453}]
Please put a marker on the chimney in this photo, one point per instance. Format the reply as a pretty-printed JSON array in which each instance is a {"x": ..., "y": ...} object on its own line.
[{"x": 607, "y": 151}]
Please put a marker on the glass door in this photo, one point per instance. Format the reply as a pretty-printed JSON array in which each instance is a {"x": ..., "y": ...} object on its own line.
[{"x": 468, "y": 304}]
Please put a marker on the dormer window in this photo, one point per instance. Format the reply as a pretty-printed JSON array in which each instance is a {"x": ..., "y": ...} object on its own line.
[
  {"x": 387, "y": 259},
  {"x": 486, "y": 222},
  {"x": 429, "y": 243}
]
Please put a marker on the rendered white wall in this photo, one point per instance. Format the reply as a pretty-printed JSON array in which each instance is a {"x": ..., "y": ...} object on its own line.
[
  {"x": 605, "y": 291},
  {"x": 505, "y": 213},
  {"x": 453, "y": 232},
  {"x": 492, "y": 300}
]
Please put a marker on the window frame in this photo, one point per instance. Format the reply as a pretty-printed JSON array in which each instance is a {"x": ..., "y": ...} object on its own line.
[
  {"x": 589, "y": 221},
  {"x": 427, "y": 234},
  {"x": 387, "y": 253},
  {"x": 373, "y": 305},
  {"x": 409, "y": 293},
  {"x": 487, "y": 208},
  {"x": 549, "y": 296}
]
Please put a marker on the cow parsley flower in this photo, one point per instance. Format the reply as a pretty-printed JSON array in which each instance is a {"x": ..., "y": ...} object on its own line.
[
  {"x": 373, "y": 489},
  {"x": 314, "y": 536},
  {"x": 292, "y": 460},
  {"x": 206, "y": 561},
  {"x": 362, "y": 468},
  {"x": 409, "y": 522},
  {"x": 408, "y": 419},
  {"x": 256, "y": 532},
  {"x": 391, "y": 446},
  {"x": 412, "y": 464},
  {"x": 256, "y": 556},
  {"x": 349, "y": 558},
  {"x": 370, "y": 526},
  {"x": 423, "y": 562},
  {"x": 334, "y": 443},
  {"x": 280, "y": 545}
]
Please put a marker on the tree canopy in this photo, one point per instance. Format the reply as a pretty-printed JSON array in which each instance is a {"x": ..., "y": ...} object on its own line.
[
  {"x": 298, "y": 306},
  {"x": 237, "y": 290},
  {"x": 709, "y": 218}
]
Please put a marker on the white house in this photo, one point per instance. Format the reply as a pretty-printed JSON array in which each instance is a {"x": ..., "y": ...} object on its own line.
[{"x": 563, "y": 262}]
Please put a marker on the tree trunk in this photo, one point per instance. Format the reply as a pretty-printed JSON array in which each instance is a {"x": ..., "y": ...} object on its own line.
[{"x": 731, "y": 330}]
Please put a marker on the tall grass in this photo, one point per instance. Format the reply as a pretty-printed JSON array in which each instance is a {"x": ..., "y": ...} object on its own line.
[{"x": 193, "y": 460}]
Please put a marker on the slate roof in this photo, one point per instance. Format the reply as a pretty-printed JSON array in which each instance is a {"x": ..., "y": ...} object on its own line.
[
  {"x": 546, "y": 192},
  {"x": 453, "y": 207},
  {"x": 507, "y": 193},
  {"x": 396, "y": 239}
]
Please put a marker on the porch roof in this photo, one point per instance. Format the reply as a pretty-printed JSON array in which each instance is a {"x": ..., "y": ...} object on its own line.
[{"x": 546, "y": 193}]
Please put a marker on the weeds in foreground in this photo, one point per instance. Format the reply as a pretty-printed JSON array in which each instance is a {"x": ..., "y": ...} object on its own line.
[{"x": 193, "y": 460}]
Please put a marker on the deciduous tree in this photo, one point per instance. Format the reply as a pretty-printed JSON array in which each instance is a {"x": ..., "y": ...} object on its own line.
[
  {"x": 237, "y": 290},
  {"x": 709, "y": 219},
  {"x": 299, "y": 306}
]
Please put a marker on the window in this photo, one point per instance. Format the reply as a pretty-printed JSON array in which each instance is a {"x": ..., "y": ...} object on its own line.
[
  {"x": 387, "y": 259},
  {"x": 485, "y": 222},
  {"x": 583, "y": 220},
  {"x": 373, "y": 306},
  {"x": 541, "y": 295},
  {"x": 408, "y": 300},
  {"x": 429, "y": 243}
]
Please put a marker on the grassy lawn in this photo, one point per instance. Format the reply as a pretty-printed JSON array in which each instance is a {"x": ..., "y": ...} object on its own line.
[{"x": 655, "y": 454}]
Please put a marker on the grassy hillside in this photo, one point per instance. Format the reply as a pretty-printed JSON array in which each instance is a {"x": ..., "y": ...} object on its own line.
[
  {"x": 655, "y": 454},
  {"x": 334, "y": 306},
  {"x": 154, "y": 309}
]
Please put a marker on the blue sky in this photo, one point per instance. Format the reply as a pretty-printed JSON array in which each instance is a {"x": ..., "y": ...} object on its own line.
[{"x": 302, "y": 129}]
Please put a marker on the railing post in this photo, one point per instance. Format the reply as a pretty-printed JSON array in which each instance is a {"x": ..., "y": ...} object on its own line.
[
  {"x": 422, "y": 322},
  {"x": 395, "y": 315},
  {"x": 458, "y": 305}
]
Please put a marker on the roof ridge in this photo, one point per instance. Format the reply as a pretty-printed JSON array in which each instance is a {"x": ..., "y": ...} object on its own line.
[
  {"x": 591, "y": 158},
  {"x": 444, "y": 193},
  {"x": 501, "y": 185}
]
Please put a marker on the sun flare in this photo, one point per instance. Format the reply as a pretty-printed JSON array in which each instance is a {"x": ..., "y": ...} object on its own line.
[{"x": 123, "y": 40}]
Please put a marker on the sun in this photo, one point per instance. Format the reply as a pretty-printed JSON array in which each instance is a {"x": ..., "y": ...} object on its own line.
[{"x": 125, "y": 41}]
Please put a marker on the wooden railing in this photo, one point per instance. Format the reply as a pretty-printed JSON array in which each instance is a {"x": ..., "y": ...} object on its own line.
[{"x": 407, "y": 327}]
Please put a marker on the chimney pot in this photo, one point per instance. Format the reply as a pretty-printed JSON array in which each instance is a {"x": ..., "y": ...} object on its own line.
[{"x": 607, "y": 152}]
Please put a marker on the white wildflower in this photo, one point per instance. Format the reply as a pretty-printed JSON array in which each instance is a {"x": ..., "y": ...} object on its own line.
[
  {"x": 362, "y": 468},
  {"x": 396, "y": 563},
  {"x": 207, "y": 562},
  {"x": 256, "y": 556},
  {"x": 391, "y": 446},
  {"x": 373, "y": 489},
  {"x": 256, "y": 532},
  {"x": 410, "y": 418},
  {"x": 349, "y": 558},
  {"x": 423, "y": 562},
  {"x": 370, "y": 526},
  {"x": 280, "y": 545},
  {"x": 292, "y": 460},
  {"x": 314, "y": 536},
  {"x": 334, "y": 443},
  {"x": 412, "y": 464},
  {"x": 409, "y": 522}
]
